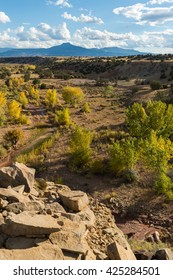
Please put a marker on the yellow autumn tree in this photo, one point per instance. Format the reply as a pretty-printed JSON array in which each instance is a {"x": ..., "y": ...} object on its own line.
[
  {"x": 51, "y": 98},
  {"x": 14, "y": 110},
  {"x": 72, "y": 95},
  {"x": 23, "y": 99}
]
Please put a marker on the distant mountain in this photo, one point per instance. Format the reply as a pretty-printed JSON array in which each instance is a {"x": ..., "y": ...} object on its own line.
[{"x": 67, "y": 49}]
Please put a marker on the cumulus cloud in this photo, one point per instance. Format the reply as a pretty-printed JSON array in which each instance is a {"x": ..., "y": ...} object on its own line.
[
  {"x": 61, "y": 3},
  {"x": 95, "y": 38},
  {"x": 43, "y": 35},
  {"x": 159, "y": 2},
  {"x": 147, "y": 41},
  {"x": 4, "y": 18},
  {"x": 83, "y": 18},
  {"x": 145, "y": 15}
]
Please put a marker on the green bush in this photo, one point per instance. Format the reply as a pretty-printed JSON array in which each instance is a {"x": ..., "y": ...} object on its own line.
[
  {"x": 122, "y": 156},
  {"x": 80, "y": 147},
  {"x": 164, "y": 185},
  {"x": 86, "y": 108},
  {"x": 11, "y": 138},
  {"x": 62, "y": 117},
  {"x": 155, "y": 85}
]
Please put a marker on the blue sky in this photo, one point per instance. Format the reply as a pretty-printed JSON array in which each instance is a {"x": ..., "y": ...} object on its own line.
[{"x": 137, "y": 24}]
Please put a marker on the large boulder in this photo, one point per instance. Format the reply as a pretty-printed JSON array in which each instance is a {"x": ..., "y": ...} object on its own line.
[
  {"x": 18, "y": 174},
  {"x": 28, "y": 224},
  {"x": 74, "y": 200},
  {"x": 43, "y": 252}
]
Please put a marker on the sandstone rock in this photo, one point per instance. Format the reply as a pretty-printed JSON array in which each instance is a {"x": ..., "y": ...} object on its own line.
[
  {"x": 20, "y": 189},
  {"x": 25, "y": 224},
  {"x": 3, "y": 203},
  {"x": 163, "y": 254},
  {"x": 19, "y": 243},
  {"x": 68, "y": 241},
  {"x": 18, "y": 174},
  {"x": 116, "y": 251},
  {"x": 43, "y": 252},
  {"x": 5, "y": 213},
  {"x": 100, "y": 255},
  {"x": 86, "y": 216},
  {"x": 24, "y": 242},
  {"x": 12, "y": 196},
  {"x": 55, "y": 207},
  {"x": 74, "y": 200},
  {"x": 15, "y": 207}
]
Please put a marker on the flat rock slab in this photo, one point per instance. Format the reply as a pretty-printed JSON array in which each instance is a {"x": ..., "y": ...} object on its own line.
[
  {"x": 68, "y": 241},
  {"x": 27, "y": 224},
  {"x": 18, "y": 174},
  {"x": 74, "y": 200},
  {"x": 24, "y": 242},
  {"x": 12, "y": 195},
  {"x": 44, "y": 252}
]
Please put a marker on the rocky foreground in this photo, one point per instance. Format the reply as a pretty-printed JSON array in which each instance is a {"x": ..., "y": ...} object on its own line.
[{"x": 42, "y": 220}]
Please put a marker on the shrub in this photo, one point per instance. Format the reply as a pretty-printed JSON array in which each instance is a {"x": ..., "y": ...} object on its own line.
[
  {"x": 12, "y": 137},
  {"x": 51, "y": 98},
  {"x": 3, "y": 151},
  {"x": 80, "y": 148},
  {"x": 122, "y": 156},
  {"x": 14, "y": 110},
  {"x": 86, "y": 108},
  {"x": 155, "y": 85},
  {"x": 72, "y": 95},
  {"x": 164, "y": 185},
  {"x": 23, "y": 99},
  {"x": 62, "y": 117}
]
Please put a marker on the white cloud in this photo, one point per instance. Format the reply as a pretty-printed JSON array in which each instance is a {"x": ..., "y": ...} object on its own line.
[
  {"x": 61, "y": 3},
  {"x": 147, "y": 41},
  {"x": 145, "y": 15},
  {"x": 42, "y": 35},
  {"x": 153, "y": 2},
  {"x": 95, "y": 38},
  {"x": 83, "y": 18},
  {"x": 4, "y": 18}
]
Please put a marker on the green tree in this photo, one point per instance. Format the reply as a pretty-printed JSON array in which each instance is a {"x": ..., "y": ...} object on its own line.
[{"x": 156, "y": 116}]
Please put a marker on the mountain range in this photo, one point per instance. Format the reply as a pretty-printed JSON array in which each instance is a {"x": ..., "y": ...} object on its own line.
[{"x": 67, "y": 49}]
